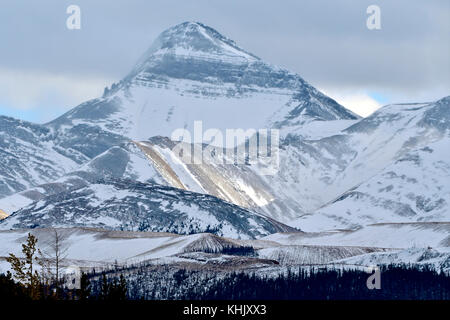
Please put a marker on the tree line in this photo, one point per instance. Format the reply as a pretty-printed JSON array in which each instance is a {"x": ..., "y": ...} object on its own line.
[{"x": 398, "y": 282}]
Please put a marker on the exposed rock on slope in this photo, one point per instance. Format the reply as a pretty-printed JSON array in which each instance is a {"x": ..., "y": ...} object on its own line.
[{"x": 131, "y": 205}]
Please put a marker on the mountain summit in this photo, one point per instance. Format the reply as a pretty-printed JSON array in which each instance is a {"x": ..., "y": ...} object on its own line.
[
  {"x": 191, "y": 72},
  {"x": 194, "y": 39},
  {"x": 194, "y": 51}
]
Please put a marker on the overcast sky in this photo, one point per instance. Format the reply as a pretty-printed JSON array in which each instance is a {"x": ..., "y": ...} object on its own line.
[{"x": 46, "y": 69}]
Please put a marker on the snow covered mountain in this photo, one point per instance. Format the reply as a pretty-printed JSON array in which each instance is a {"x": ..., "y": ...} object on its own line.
[
  {"x": 125, "y": 161},
  {"x": 120, "y": 189},
  {"x": 191, "y": 72},
  {"x": 337, "y": 171},
  {"x": 29, "y": 157},
  {"x": 121, "y": 204},
  {"x": 413, "y": 188},
  {"x": 34, "y": 154},
  {"x": 396, "y": 169},
  {"x": 341, "y": 156}
]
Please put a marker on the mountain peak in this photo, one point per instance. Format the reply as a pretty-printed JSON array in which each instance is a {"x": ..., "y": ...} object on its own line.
[
  {"x": 193, "y": 40},
  {"x": 191, "y": 37},
  {"x": 193, "y": 65}
]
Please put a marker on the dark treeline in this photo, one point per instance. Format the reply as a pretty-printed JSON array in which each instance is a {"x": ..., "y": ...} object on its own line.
[
  {"x": 397, "y": 283},
  {"x": 402, "y": 282},
  {"x": 108, "y": 289},
  {"x": 14, "y": 290},
  {"x": 235, "y": 251},
  {"x": 9, "y": 289}
]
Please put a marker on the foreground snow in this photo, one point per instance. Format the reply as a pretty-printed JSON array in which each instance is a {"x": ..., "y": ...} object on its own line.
[{"x": 96, "y": 248}]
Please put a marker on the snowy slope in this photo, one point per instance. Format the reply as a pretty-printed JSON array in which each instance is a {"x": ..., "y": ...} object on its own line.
[
  {"x": 312, "y": 255},
  {"x": 341, "y": 162},
  {"x": 437, "y": 258},
  {"x": 383, "y": 235},
  {"x": 96, "y": 247},
  {"x": 108, "y": 246},
  {"x": 121, "y": 204},
  {"x": 354, "y": 153},
  {"x": 33, "y": 154},
  {"x": 398, "y": 170},
  {"x": 123, "y": 161},
  {"x": 28, "y": 156},
  {"x": 87, "y": 247},
  {"x": 416, "y": 187},
  {"x": 236, "y": 183}
]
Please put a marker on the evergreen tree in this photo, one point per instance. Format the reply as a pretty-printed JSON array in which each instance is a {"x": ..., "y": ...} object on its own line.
[
  {"x": 122, "y": 288},
  {"x": 85, "y": 287},
  {"x": 104, "y": 288},
  {"x": 23, "y": 268}
]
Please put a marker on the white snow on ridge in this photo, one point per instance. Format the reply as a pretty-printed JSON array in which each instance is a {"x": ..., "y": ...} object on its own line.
[
  {"x": 435, "y": 257},
  {"x": 384, "y": 235},
  {"x": 414, "y": 188}
]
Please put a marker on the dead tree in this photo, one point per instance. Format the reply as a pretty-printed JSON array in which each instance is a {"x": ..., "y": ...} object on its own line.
[{"x": 53, "y": 256}]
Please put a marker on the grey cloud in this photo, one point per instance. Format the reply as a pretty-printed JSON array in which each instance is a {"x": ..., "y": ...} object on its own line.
[{"x": 324, "y": 41}]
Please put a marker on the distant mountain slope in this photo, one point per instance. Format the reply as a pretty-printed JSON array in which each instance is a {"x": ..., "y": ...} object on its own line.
[
  {"x": 124, "y": 161},
  {"x": 240, "y": 184},
  {"x": 316, "y": 172},
  {"x": 120, "y": 204},
  {"x": 437, "y": 258},
  {"x": 29, "y": 157},
  {"x": 382, "y": 235},
  {"x": 397, "y": 170},
  {"x": 35, "y": 154},
  {"x": 416, "y": 187}
]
